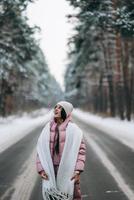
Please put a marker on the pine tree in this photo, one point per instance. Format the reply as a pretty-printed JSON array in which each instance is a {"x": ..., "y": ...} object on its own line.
[{"x": 101, "y": 47}]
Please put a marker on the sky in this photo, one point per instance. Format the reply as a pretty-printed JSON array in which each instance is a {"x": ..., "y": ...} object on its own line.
[{"x": 50, "y": 16}]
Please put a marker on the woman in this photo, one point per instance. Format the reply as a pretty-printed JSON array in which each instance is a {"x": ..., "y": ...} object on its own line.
[{"x": 61, "y": 156}]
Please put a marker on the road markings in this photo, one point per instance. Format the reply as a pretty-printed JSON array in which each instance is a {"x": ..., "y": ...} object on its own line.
[
  {"x": 84, "y": 196},
  {"x": 22, "y": 187},
  {"x": 111, "y": 168},
  {"x": 7, "y": 193},
  {"x": 112, "y": 191}
]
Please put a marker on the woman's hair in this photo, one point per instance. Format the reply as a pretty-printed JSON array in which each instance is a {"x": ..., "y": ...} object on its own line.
[{"x": 63, "y": 114}]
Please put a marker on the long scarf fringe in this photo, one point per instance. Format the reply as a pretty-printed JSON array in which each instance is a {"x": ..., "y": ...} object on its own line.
[{"x": 53, "y": 194}]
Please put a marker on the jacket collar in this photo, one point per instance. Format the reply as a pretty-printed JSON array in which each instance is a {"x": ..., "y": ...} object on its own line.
[{"x": 62, "y": 126}]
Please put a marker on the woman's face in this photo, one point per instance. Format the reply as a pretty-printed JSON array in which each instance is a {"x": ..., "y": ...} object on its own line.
[{"x": 57, "y": 111}]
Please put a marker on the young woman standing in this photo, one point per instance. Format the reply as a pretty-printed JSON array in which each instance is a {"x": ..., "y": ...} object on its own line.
[{"x": 61, "y": 156}]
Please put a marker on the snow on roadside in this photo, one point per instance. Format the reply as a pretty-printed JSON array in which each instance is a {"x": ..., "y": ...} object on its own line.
[
  {"x": 121, "y": 130},
  {"x": 13, "y": 128}
]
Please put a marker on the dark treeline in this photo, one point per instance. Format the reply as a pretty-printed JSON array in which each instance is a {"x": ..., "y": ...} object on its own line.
[
  {"x": 25, "y": 80},
  {"x": 100, "y": 75}
]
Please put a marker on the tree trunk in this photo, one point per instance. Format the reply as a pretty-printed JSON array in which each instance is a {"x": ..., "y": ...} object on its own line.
[
  {"x": 126, "y": 77},
  {"x": 100, "y": 92},
  {"x": 118, "y": 77},
  {"x": 132, "y": 76},
  {"x": 108, "y": 72},
  {"x": 3, "y": 97}
]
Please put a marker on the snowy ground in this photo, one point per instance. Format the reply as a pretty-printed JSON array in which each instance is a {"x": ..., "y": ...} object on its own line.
[
  {"x": 121, "y": 130},
  {"x": 13, "y": 128}
]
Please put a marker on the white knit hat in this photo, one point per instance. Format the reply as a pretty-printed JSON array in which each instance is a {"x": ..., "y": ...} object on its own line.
[{"x": 68, "y": 107}]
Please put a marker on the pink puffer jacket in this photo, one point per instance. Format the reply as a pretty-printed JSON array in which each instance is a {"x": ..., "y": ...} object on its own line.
[{"x": 62, "y": 132}]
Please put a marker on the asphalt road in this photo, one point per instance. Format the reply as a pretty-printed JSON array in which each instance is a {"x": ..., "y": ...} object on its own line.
[
  {"x": 17, "y": 168},
  {"x": 108, "y": 175}
]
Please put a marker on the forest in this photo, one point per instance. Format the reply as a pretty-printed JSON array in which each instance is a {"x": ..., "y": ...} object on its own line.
[
  {"x": 25, "y": 80},
  {"x": 100, "y": 73}
]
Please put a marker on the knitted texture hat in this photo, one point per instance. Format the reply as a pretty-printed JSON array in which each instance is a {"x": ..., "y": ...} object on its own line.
[{"x": 68, "y": 107}]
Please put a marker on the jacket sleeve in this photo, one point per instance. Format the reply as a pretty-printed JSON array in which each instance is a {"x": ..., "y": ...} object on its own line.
[
  {"x": 80, "y": 163},
  {"x": 38, "y": 164}
]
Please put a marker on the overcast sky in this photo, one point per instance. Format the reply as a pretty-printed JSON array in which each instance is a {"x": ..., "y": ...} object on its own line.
[{"x": 50, "y": 15}]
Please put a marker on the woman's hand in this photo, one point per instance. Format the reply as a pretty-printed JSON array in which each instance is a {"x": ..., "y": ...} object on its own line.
[
  {"x": 76, "y": 177},
  {"x": 44, "y": 175}
]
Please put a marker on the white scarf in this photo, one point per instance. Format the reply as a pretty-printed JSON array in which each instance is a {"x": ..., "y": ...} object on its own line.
[{"x": 62, "y": 187}]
